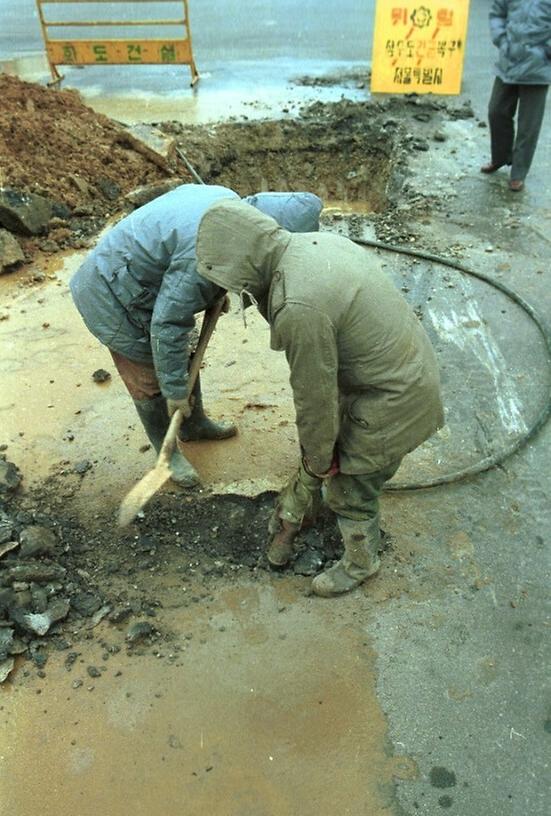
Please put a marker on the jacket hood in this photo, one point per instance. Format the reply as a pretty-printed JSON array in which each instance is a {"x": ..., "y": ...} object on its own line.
[
  {"x": 238, "y": 247},
  {"x": 296, "y": 212}
]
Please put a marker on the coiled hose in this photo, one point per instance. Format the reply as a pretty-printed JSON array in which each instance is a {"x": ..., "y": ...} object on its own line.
[{"x": 543, "y": 414}]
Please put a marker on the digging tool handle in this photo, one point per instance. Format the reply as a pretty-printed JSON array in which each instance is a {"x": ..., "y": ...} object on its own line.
[{"x": 209, "y": 323}]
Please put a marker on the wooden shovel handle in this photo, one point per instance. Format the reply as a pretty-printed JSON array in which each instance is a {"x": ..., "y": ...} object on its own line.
[{"x": 209, "y": 322}]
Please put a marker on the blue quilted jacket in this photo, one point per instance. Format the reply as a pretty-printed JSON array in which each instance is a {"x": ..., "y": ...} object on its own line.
[{"x": 138, "y": 291}]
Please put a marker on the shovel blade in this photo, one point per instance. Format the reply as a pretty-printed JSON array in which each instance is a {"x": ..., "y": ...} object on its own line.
[{"x": 142, "y": 492}]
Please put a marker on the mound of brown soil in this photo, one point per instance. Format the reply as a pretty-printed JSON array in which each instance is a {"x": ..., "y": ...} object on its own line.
[{"x": 53, "y": 145}]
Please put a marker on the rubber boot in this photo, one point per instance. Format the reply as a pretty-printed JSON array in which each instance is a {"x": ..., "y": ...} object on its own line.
[
  {"x": 280, "y": 549},
  {"x": 154, "y": 418},
  {"x": 360, "y": 560},
  {"x": 297, "y": 506},
  {"x": 198, "y": 426}
]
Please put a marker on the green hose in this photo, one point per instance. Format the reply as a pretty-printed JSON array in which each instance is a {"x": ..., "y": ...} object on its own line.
[{"x": 545, "y": 411}]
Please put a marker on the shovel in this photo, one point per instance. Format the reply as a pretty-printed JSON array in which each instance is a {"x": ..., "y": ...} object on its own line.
[{"x": 155, "y": 479}]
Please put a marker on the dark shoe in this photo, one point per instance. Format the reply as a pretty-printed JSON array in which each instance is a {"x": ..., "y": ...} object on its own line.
[
  {"x": 198, "y": 426},
  {"x": 154, "y": 418},
  {"x": 490, "y": 167},
  {"x": 516, "y": 185}
]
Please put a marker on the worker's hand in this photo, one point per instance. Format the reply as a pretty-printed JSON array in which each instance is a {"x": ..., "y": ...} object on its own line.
[
  {"x": 185, "y": 405},
  {"x": 226, "y": 306},
  {"x": 331, "y": 471}
]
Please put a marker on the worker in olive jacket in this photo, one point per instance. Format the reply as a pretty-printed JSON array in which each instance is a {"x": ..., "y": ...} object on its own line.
[
  {"x": 363, "y": 372},
  {"x": 138, "y": 292},
  {"x": 521, "y": 30}
]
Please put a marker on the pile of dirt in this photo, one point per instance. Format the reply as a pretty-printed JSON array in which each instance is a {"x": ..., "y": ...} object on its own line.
[{"x": 54, "y": 146}]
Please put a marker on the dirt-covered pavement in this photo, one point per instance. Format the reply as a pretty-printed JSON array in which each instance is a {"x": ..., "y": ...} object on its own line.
[{"x": 175, "y": 668}]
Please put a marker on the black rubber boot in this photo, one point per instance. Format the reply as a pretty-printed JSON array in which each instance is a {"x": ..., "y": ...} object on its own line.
[
  {"x": 198, "y": 426},
  {"x": 154, "y": 418}
]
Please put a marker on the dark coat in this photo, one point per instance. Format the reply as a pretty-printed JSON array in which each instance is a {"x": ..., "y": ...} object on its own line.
[{"x": 521, "y": 29}]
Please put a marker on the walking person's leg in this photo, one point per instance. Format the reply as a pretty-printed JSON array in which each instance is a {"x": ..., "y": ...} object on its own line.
[
  {"x": 501, "y": 116},
  {"x": 530, "y": 117}
]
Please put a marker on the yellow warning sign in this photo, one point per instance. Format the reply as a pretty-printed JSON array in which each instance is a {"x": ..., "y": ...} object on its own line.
[
  {"x": 102, "y": 50},
  {"x": 118, "y": 52},
  {"x": 418, "y": 47}
]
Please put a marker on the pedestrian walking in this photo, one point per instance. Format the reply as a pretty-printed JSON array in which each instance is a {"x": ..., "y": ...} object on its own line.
[{"x": 521, "y": 30}]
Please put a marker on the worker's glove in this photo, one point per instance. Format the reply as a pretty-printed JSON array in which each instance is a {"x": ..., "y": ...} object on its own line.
[
  {"x": 298, "y": 502},
  {"x": 331, "y": 471},
  {"x": 185, "y": 405}
]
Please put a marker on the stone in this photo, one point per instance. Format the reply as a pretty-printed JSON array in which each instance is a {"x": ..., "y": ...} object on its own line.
[
  {"x": 101, "y": 375},
  {"x": 40, "y": 623},
  {"x": 309, "y": 562},
  {"x": 37, "y": 540},
  {"x": 32, "y": 571},
  {"x": 10, "y": 478},
  {"x": 11, "y": 253},
  {"x": 6, "y": 666},
  {"x": 86, "y": 603},
  {"x": 142, "y": 195},
  {"x": 24, "y": 213},
  {"x": 146, "y": 139},
  {"x": 138, "y": 631},
  {"x": 6, "y": 600},
  {"x": 39, "y": 598},
  {"x": 98, "y": 616},
  {"x": 6, "y": 642},
  {"x": 22, "y": 599},
  {"x": 108, "y": 188},
  {"x": 7, "y": 527}
]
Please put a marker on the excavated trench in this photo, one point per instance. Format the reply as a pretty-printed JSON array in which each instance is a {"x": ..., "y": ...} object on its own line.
[{"x": 346, "y": 154}]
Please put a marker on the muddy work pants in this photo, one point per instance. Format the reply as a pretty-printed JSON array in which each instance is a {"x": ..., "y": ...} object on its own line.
[
  {"x": 352, "y": 497},
  {"x": 140, "y": 379}
]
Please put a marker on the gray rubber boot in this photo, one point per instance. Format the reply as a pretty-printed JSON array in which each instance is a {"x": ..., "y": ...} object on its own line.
[
  {"x": 198, "y": 426},
  {"x": 360, "y": 560},
  {"x": 154, "y": 418}
]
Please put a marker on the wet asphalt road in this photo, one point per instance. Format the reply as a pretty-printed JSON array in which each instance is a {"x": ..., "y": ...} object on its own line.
[{"x": 462, "y": 676}]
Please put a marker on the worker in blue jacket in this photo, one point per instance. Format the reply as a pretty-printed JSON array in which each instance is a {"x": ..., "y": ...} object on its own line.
[{"x": 138, "y": 292}]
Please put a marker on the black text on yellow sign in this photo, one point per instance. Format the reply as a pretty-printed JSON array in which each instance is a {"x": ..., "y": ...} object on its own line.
[
  {"x": 418, "y": 47},
  {"x": 118, "y": 52}
]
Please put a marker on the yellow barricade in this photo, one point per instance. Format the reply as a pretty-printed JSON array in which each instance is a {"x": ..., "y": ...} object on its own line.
[
  {"x": 418, "y": 47},
  {"x": 103, "y": 51}
]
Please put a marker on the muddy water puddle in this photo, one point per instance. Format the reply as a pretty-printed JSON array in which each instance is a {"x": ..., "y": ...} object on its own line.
[{"x": 263, "y": 704}]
